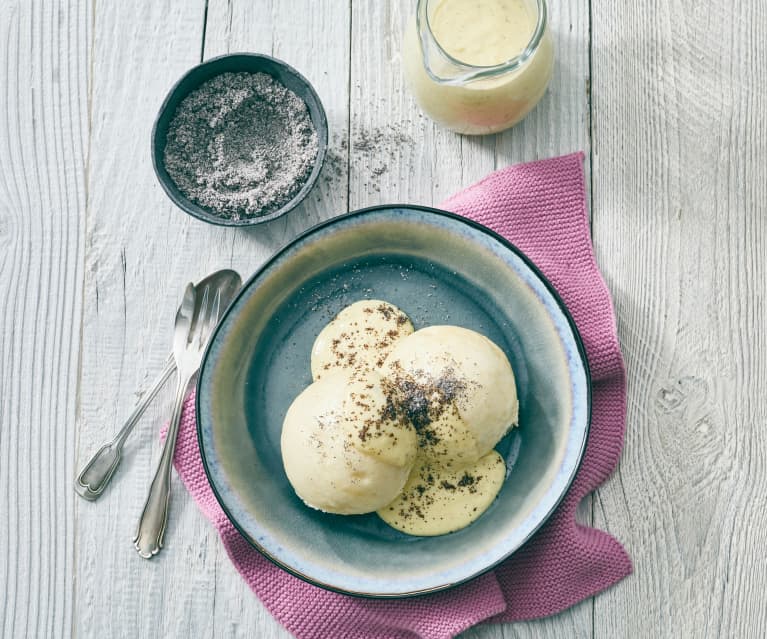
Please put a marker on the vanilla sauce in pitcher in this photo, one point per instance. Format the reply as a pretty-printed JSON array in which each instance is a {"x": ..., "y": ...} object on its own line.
[{"x": 478, "y": 66}]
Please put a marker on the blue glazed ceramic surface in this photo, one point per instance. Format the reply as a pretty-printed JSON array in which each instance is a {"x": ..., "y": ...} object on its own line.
[{"x": 440, "y": 269}]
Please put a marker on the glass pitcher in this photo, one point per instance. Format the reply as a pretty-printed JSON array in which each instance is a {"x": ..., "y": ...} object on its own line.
[{"x": 471, "y": 98}]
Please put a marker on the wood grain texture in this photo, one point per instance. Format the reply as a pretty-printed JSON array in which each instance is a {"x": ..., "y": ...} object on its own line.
[
  {"x": 399, "y": 155},
  {"x": 94, "y": 257},
  {"x": 140, "y": 251},
  {"x": 680, "y": 190},
  {"x": 43, "y": 134},
  {"x": 313, "y": 37}
]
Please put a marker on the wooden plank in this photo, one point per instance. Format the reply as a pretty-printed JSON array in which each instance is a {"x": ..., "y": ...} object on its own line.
[
  {"x": 43, "y": 134},
  {"x": 313, "y": 37},
  {"x": 140, "y": 250},
  {"x": 125, "y": 337},
  {"x": 414, "y": 160},
  {"x": 680, "y": 187}
]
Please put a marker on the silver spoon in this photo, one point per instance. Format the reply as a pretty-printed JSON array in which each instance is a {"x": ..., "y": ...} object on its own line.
[
  {"x": 196, "y": 318},
  {"x": 96, "y": 474}
]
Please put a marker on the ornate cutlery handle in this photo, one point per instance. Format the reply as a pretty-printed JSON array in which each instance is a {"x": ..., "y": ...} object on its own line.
[
  {"x": 151, "y": 528},
  {"x": 95, "y": 476}
]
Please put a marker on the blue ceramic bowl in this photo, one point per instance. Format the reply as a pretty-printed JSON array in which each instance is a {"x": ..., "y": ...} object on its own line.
[{"x": 440, "y": 269}]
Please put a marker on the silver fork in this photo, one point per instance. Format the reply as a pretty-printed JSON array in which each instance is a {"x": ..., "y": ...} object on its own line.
[
  {"x": 97, "y": 473},
  {"x": 192, "y": 331}
]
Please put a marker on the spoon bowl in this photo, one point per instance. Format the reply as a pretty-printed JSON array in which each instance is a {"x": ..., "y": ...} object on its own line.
[{"x": 97, "y": 473}]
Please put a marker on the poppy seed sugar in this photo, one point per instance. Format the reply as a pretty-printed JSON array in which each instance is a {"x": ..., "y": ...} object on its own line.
[{"x": 241, "y": 145}]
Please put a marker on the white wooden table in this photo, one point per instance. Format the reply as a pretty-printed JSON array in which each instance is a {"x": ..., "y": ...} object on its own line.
[{"x": 668, "y": 100}]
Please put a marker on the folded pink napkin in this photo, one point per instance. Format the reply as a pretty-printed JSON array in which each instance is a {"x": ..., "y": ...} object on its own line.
[{"x": 541, "y": 208}]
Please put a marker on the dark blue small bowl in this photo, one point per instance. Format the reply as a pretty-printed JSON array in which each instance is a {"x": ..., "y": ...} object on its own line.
[{"x": 233, "y": 63}]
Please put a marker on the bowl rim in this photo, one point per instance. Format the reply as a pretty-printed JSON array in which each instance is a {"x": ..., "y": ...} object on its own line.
[
  {"x": 536, "y": 271},
  {"x": 199, "y": 212}
]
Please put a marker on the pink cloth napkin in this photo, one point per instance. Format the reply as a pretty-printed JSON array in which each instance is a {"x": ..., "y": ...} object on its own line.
[{"x": 541, "y": 208}]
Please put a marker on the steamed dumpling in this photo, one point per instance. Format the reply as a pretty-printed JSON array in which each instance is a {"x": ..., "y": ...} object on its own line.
[
  {"x": 342, "y": 449},
  {"x": 458, "y": 389},
  {"x": 359, "y": 338}
]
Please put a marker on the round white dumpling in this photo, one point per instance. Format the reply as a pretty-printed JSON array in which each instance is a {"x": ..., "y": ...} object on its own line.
[
  {"x": 457, "y": 388},
  {"x": 343, "y": 450},
  {"x": 359, "y": 338}
]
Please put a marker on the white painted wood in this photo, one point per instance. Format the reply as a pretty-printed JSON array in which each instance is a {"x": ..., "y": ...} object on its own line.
[
  {"x": 680, "y": 197},
  {"x": 43, "y": 139},
  {"x": 291, "y": 31},
  {"x": 124, "y": 338},
  {"x": 416, "y": 161},
  {"x": 93, "y": 259},
  {"x": 140, "y": 250}
]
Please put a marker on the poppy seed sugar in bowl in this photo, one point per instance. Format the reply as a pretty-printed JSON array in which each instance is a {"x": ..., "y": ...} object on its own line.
[{"x": 241, "y": 145}]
